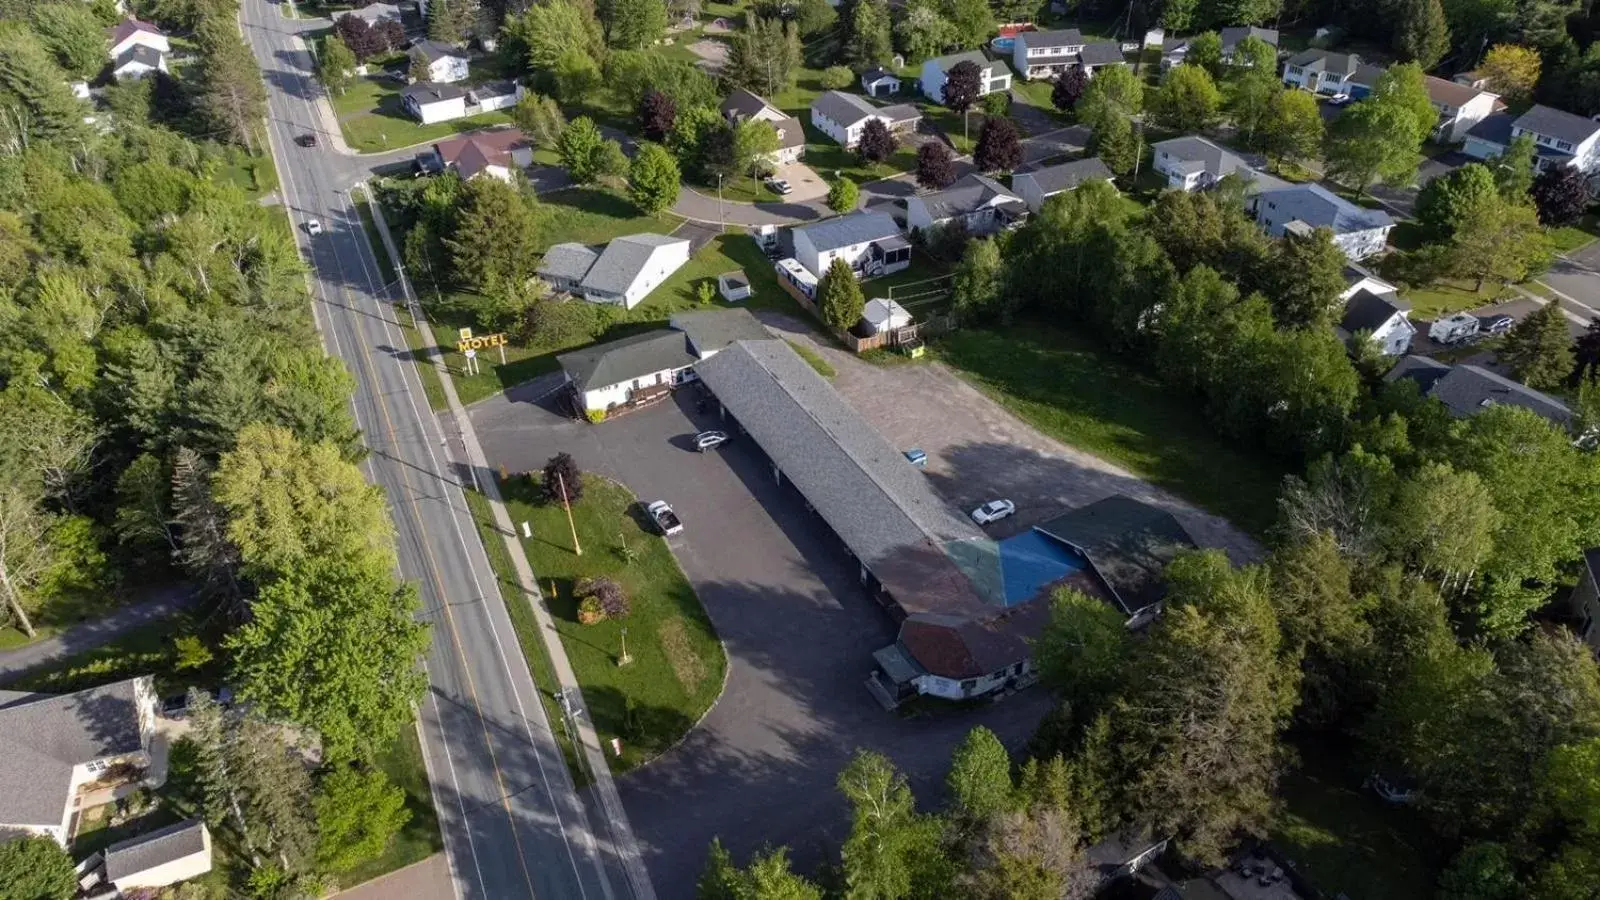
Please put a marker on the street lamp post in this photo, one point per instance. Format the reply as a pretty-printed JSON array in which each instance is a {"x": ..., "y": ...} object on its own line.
[
  {"x": 722, "y": 217},
  {"x": 624, "y": 659}
]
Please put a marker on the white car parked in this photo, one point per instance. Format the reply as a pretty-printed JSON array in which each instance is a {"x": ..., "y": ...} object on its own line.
[
  {"x": 313, "y": 226},
  {"x": 993, "y": 511}
]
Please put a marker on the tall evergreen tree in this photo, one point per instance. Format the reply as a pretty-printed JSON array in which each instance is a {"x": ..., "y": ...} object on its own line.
[
  {"x": 839, "y": 296},
  {"x": 1424, "y": 36},
  {"x": 1538, "y": 349}
]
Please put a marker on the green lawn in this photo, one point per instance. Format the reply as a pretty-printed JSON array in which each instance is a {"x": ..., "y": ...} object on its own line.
[
  {"x": 255, "y": 175},
  {"x": 1069, "y": 388},
  {"x": 677, "y": 661},
  {"x": 385, "y": 264},
  {"x": 812, "y": 358},
  {"x": 1446, "y": 297},
  {"x": 1571, "y": 237},
  {"x": 372, "y": 119},
  {"x": 149, "y": 650}
]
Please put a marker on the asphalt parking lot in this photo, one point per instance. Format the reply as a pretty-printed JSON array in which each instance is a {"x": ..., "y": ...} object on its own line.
[{"x": 798, "y": 630}]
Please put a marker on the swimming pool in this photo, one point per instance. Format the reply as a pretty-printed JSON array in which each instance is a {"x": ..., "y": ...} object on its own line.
[{"x": 1003, "y": 44}]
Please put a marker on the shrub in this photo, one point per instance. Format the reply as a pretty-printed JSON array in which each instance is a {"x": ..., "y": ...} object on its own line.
[
  {"x": 837, "y": 77},
  {"x": 596, "y": 416},
  {"x": 607, "y": 594},
  {"x": 589, "y": 611},
  {"x": 562, "y": 471}
]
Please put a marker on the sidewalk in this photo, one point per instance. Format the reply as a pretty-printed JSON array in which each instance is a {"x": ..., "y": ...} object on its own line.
[{"x": 89, "y": 635}]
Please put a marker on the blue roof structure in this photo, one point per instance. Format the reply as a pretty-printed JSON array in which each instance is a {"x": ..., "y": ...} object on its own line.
[{"x": 1030, "y": 562}]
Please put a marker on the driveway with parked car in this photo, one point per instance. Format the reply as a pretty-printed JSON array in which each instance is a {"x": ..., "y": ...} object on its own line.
[{"x": 798, "y": 628}]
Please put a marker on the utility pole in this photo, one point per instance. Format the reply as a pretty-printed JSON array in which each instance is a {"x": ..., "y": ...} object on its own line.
[
  {"x": 567, "y": 505},
  {"x": 624, "y": 659}
]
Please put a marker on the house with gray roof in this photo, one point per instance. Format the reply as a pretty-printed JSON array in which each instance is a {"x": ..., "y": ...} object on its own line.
[
  {"x": 1193, "y": 163},
  {"x": 1321, "y": 71},
  {"x": 63, "y": 753},
  {"x": 1128, "y": 544},
  {"x": 1046, "y": 54},
  {"x": 869, "y": 242},
  {"x": 150, "y": 861},
  {"x": 1301, "y": 208},
  {"x": 622, "y": 273},
  {"x": 1383, "y": 317},
  {"x": 446, "y": 64},
  {"x": 843, "y": 116},
  {"x": 1036, "y": 184},
  {"x": 132, "y": 32},
  {"x": 138, "y": 61},
  {"x": 1467, "y": 390},
  {"x": 977, "y": 203},
  {"x": 742, "y": 105},
  {"x": 432, "y": 102},
  {"x": 992, "y": 74},
  {"x": 644, "y": 367},
  {"x": 1559, "y": 138},
  {"x": 1175, "y": 51}
]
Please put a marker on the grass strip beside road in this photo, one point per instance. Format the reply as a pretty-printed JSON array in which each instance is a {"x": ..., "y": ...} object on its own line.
[
  {"x": 385, "y": 264},
  {"x": 1072, "y": 390}
]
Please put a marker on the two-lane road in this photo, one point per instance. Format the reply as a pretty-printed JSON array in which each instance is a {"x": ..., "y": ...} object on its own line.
[{"x": 513, "y": 824}]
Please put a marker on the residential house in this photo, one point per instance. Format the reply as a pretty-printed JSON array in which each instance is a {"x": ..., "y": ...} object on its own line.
[
  {"x": 645, "y": 366},
  {"x": 842, "y": 116},
  {"x": 138, "y": 61},
  {"x": 497, "y": 154},
  {"x": 992, "y": 74},
  {"x": 1321, "y": 71},
  {"x": 446, "y": 64},
  {"x": 1473, "y": 79},
  {"x": 1466, "y": 389},
  {"x": 61, "y": 754},
  {"x": 1361, "y": 84},
  {"x": 1560, "y": 138},
  {"x": 1384, "y": 318},
  {"x": 1046, "y": 54},
  {"x": 1193, "y": 163},
  {"x": 975, "y": 202},
  {"x": 1037, "y": 184},
  {"x": 1357, "y": 279},
  {"x": 431, "y": 102},
  {"x": 178, "y": 852},
  {"x": 879, "y": 81},
  {"x": 621, "y": 274},
  {"x": 493, "y": 95},
  {"x": 376, "y": 13},
  {"x": 130, "y": 33},
  {"x": 1460, "y": 108},
  {"x": 1358, "y": 231},
  {"x": 870, "y": 242},
  {"x": 1175, "y": 51},
  {"x": 1585, "y": 600},
  {"x": 742, "y": 105}
]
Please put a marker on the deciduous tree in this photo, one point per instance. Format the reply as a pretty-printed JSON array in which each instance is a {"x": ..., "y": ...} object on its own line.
[
  {"x": 1512, "y": 72},
  {"x": 450, "y": 21},
  {"x": 1305, "y": 279},
  {"x": 653, "y": 179},
  {"x": 1450, "y": 199},
  {"x": 878, "y": 856},
  {"x": 999, "y": 146},
  {"x": 1291, "y": 128},
  {"x": 580, "y": 149},
  {"x": 1068, "y": 88},
  {"x": 656, "y": 115},
  {"x": 1113, "y": 92},
  {"x": 633, "y": 24},
  {"x": 1205, "y": 51},
  {"x": 1081, "y": 652},
  {"x": 1502, "y": 241},
  {"x": 876, "y": 143},
  {"x": 973, "y": 21},
  {"x": 495, "y": 240},
  {"x": 358, "y": 814},
  {"x": 962, "y": 85},
  {"x": 1561, "y": 195},
  {"x": 1373, "y": 140},
  {"x": 1187, "y": 100},
  {"x": 836, "y": 78},
  {"x": 979, "y": 779},
  {"x": 843, "y": 195},
  {"x": 540, "y": 118},
  {"x": 335, "y": 65},
  {"x": 839, "y": 296},
  {"x": 922, "y": 31},
  {"x": 754, "y": 143},
  {"x": 1513, "y": 169},
  {"x": 935, "y": 168},
  {"x": 358, "y": 36},
  {"x": 1115, "y": 143},
  {"x": 977, "y": 291}
]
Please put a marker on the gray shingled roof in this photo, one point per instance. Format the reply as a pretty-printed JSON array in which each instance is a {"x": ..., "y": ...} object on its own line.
[
  {"x": 711, "y": 330},
  {"x": 1201, "y": 155},
  {"x": 1495, "y": 128},
  {"x": 41, "y": 740},
  {"x": 1232, "y": 36},
  {"x": 1066, "y": 37},
  {"x": 504, "y": 88},
  {"x": 1365, "y": 311},
  {"x": 791, "y": 133},
  {"x": 157, "y": 848},
  {"x": 140, "y": 53},
  {"x": 1128, "y": 543},
  {"x": 1067, "y": 175},
  {"x": 1326, "y": 61},
  {"x": 1367, "y": 74},
  {"x": 425, "y": 92},
  {"x": 567, "y": 261},
  {"x": 947, "y": 62},
  {"x": 743, "y": 104},
  {"x": 967, "y": 194},
  {"x": 880, "y": 506},
  {"x": 856, "y": 228},
  {"x": 1558, "y": 124},
  {"x": 1420, "y": 370},
  {"x": 622, "y": 261},
  {"x": 877, "y": 74},
  {"x": 1319, "y": 207},
  {"x": 846, "y": 109},
  {"x": 1467, "y": 390},
  {"x": 431, "y": 50},
  {"x": 615, "y": 362},
  {"x": 1101, "y": 53}
]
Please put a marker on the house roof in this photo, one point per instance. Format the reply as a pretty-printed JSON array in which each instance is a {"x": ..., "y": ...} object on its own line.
[
  {"x": 843, "y": 231},
  {"x": 1495, "y": 128},
  {"x": 42, "y": 739},
  {"x": 157, "y": 848},
  {"x": 623, "y": 259},
  {"x": 877, "y": 74},
  {"x": 473, "y": 153},
  {"x": 1319, "y": 207},
  {"x": 969, "y": 193},
  {"x": 503, "y": 88},
  {"x": 1067, "y": 37},
  {"x": 1326, "y": 61},
  {"x": 1101, "y": 53},
  {"x": 947, "y": 62},
  {"x": 1421, "y": 370},
  {"x": 616, "y": 362},
  {"x": 425, "y": 92},
  {"x": 1067, "y": 175},
  {"x": 569, "y": 262},
  {"x": 374, "y": 13},
  {"x": 1366, "y": 311},
  {"x": 960, "y": 647},
  {"x": 880, "y": 311},
  {"x": 711, "y": 330},
  {"x": 138, "y": 53},
  {"x": 1467, "y": 389},
  {"x": 846, "y": 109},
  {"x": 1367, "y": 74},
  {"x": 1449, "y": 93},
  {"x": 791, "y": 133},
  {"x": 1558, "y": 124},
  {"x": 882, "y": 508},
  {"x": 1129, "y": 544},
  {"x": 432, "y": 50},
  {"x": 743, "y": 104},
  {"x": 129, "y": 27},
  {"x": 1201, "y": 155},
  {"x": 1232, "y": 36}
]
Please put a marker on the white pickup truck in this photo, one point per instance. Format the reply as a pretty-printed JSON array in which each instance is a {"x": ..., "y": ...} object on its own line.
[{"x": 665, "y": 518}]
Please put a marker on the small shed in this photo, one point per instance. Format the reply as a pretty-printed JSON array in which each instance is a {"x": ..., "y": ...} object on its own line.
[
  {"x": 882, "y": 314},
  {"x": 733, "y": 285},
  {"x": 879, "y": 81}
]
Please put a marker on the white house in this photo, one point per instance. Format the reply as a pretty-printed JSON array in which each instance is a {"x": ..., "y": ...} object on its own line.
[
  {"x": 138, "y": 61},
  {"x": 992, "y": 75},
  {"x": 494, "y": 95},
  {"x": 1560, "y": 138},
  {"x": 497, "y": 154},
  {"x": 879, "y": 81},
  {"x": 622, "y": 274},
  {"x": 1321, "y": 71},
  {"x": 130, "y": 33},
  {"x": 1385, "y": 318},
  {"x": 1460, "y": 107},
  {"x": 1175, "y": 50},
  {"x": 870, "y": 242},
  {"x": 742, "y": 105},
  {"x": 1357, "y": 279},
  {"x": 1046, "y": 54},
  {"x": 645, "y": 366},
  {"x": 62, "y": 754},
  {"x": 842, "y": 116},
  {"x": 1036, "y": 185},
  {"x": 431, "y": 102},
  {"x": 1358, "y": 231},
  {"x": 178, "y": 852},
  {"x": 1193, "y": 163},
  {"x": 445, "y": 63},
  {"x": 976, "y": 202}
]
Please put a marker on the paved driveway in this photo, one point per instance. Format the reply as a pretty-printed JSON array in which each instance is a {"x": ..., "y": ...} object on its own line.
[{"x": 799, "y": 633}]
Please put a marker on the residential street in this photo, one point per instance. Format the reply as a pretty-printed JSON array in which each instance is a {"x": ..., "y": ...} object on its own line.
[{"x": 513, "y": 824}]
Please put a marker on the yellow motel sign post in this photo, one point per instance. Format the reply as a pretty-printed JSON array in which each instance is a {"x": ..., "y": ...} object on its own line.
[{"x": 468, "y": 346}]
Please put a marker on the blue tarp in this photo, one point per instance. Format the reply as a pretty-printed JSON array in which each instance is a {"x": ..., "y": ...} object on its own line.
[{"x": 1029, "y": 561}]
